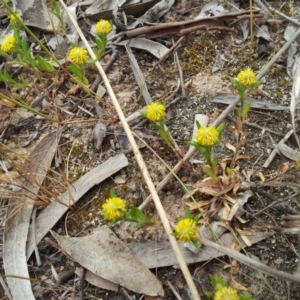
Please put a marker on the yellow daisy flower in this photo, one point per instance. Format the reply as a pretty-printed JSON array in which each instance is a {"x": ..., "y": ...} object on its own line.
[
  {"x": 114, "y": 208},
  {"x": 8, "y": 44},
  {"x": 207, "y": 136},
  {"x": 226, "y": 293},
  {"x": 14, "y": 17},
  {"x": 186, "y": 230},
  {"x": 78, "y": 56},
  {"x": 103, "y": 27},
  {"x": 247, "y": 77},
  {"x": 155, "y": 111}
]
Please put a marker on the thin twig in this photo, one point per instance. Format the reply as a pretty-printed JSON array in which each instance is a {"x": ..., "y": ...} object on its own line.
[
  {"x": 250, "y": 262},
  {"x": 254, "y": 125},
  {"x": 275, "y": 150},
  {"x": 81, "y": 284},
  {"x": 142, "y": 165},
  {"x": 171, "y": 286}
]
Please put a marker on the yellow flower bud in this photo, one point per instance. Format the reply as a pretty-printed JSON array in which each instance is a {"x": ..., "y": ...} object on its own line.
[
  {"x": 103, "y": 27},
  {"x": 78, "y": 56}
]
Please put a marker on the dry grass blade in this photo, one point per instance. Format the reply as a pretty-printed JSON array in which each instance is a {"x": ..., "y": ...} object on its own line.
[
  {"x": 17, "y": 223},
  {"x": 142, "y": 166}
]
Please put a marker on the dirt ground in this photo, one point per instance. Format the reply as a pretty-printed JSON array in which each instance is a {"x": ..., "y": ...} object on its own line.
[{"x": 197, "y": 57}]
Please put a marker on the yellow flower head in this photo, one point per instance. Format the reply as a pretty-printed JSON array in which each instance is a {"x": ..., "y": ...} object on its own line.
[
  {"x": 103, "y": 27},
  {"x": 247, "y": 77},
  {"x": 114, "y": 208},
  {"x": 207, "y": 136},
  {"x": 14, "y": 17},
  {"x": 8, "y": 44},
  {"x": 226, "y": 293},
  {"x": 155, "y": 111},
  {"x": 78, "y": 56},
  {"x": 186, "y": 230}
]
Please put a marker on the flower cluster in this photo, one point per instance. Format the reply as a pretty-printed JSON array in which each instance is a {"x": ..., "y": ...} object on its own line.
[
  {"x": 8, "y": 44},
  {"x": 103, "y": 27},
  {"x": 207, "y": 136},
  {"x": 155, "y": 112},
  {"x": 186, "y": 230},
  {"x": 247, "y": 77},
  {"x": 114, "y": 208},
  {"x": 78, "y": 55}
]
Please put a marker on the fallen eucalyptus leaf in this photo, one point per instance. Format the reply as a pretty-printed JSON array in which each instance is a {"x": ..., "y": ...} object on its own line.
[
  {"x": 19, "y": 214},
  {"x": 156, "y": 255},
  {"x": 156, "y": 49},
  {"x": 105, "y": 255},
  {"x": 288, "y": 152},
  {"x": 35, "y": 13}
]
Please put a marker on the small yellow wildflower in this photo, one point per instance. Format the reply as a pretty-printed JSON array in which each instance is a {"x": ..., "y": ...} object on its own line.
[
  {"x": 14, "y": 17},
  {"x": 247, "y": 77},
  {"x": 114, "y": 208},
  {"x": 207, "y": 136},
  {"x": 226, "y": 293},
  {"x": 103, "y": 27},
  {"x": 155, "y": 111},
  {"x": 78, "y": 56},
  {"x": 8, "y": 44},
  {"x": 186, "y": 230}
]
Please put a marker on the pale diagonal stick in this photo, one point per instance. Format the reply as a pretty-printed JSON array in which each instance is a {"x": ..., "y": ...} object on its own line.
[
  {"x": 219, "y": 120},
  {"x": 142, "y": 165}
]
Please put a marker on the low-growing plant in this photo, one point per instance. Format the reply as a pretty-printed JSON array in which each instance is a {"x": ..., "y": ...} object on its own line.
[
  {"x": 115, "y": 209},
  {"x": 156, "y": 112}
]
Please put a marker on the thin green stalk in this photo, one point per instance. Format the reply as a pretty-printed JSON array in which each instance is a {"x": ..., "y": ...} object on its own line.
[{"x": 28, "y": 107}]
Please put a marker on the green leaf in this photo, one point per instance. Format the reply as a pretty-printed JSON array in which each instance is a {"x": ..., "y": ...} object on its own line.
[
  {"x": 197, "y": 244},
  {"x": 214, "y": 162},
  {"x": 75, "y": 70},
  {"x": 209, "y": 294},
  {"x": 135, "y": 215},
  {"x": 44, "y": 65},
  {"x": 211, "y": 173},
  {"x": 92, "y": 61},
  {"x": 217, "y": 282},
  {"x": 101, "y": 42},
  {"x": 229, "y": 171},
  {"x": 112, "y": 193},
  {"x": 198, "y": 124},
  {"x": 85, "y": 81},
  {"x": 26, "y": 53},
  {"x": 245, "y": 297},
  {"x": 188, "y": 213},
  {"x": 220, "y": 128},
  {"x": 245, "y": 110}
]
